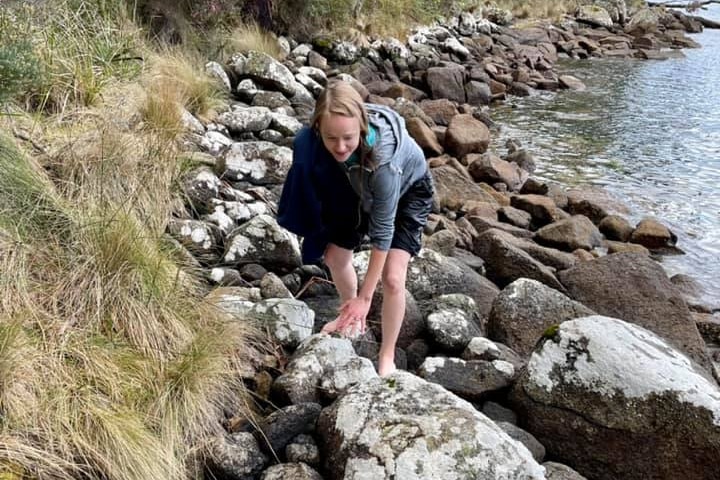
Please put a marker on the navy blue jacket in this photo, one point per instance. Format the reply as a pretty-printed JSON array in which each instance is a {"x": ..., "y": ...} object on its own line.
[{"x": 315, "y": 191}]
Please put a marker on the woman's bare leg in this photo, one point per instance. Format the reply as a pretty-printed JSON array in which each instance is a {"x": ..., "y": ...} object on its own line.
[
  {"x": 339, "y": 261},
  {"x": 393, "y": 307}
]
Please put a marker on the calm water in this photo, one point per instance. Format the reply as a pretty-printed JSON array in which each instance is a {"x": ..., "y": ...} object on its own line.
[{"x": 648, "y": 132}]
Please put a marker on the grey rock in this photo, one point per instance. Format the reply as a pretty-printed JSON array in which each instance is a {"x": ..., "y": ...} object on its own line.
[{"x": 382, "y": 428}]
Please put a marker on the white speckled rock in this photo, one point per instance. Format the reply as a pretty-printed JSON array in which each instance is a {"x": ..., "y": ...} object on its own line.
[
  {"x": 216, "y": 71},
  {"x": 431, "y": 274},
  {"x": 643, "y": 409},
  {"x": 259, "y": 163},
  {"x": 453, "y": 322},
  {"x": 402, "y": 427},
  {"x": 309, "y": 364},
  {"x": 245, "y": 119},
  {"x": 285, "y": 124},
  {"x": 262, "y": 240},
  {"x": 197, "y": 237},
  {"x": 288, "y": 321},
  {"x": 267, "y": 71},
  {"x": 201, "y": 186}
]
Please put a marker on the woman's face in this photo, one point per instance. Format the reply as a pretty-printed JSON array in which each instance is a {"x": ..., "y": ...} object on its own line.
[{"x": 340, "y": 135}]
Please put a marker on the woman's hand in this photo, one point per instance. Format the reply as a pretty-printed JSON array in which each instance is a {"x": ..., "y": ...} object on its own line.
[{"x": 352, "y": 318}]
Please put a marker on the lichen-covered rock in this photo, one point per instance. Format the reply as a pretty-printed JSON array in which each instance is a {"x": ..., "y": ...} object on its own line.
[
  {"x": 200, "y": 187},
  {"x": 216, "y": 71},
  {"x": 198, "y": 237},
  {"x": 287, "y": 320},
  {"x": 406, "y": 428},
  {"x": 642, "y": 409},
  {"x": 470, "y": 379},
  {"x": 303, "y": 448},
  {"x": 635, "y": 288},
  {"x": 267, "y": 71},
  {"x": 246, "y": 119},
  {"x": 454, "y": 321},
  {"x": 525, "y": 309},
  {"x": 594, "y": 15},
  {"x": 294, "y": 471},
  {"x": 262, "y": 240},
  {"x": 431, "y": 274},
  {"x": 260, "y": 163},
  {"x": 236, "y": 456},
  {"x": 309, "y": 365}
]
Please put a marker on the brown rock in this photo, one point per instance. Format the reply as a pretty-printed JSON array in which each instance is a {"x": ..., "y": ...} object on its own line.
[
  {"x": 424, "y": 137},
  {"x": 653, "y": 235},
  {"x": 466, "y": 135},
  {"x": 615, "y": 227}
]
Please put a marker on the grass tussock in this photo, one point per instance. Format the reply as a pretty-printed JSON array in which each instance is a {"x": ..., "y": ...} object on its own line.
[
  {"x": 111, "y": 364},
  {"x": 176, "y": 82},
  {"x": 250, "y": 36},
  {"x": 82, "y": 48}
]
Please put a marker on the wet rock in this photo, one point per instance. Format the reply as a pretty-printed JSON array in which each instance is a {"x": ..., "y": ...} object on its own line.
[
  {"x": 654, "y": 235},
  {"x": 622, "y": 247},
  {"x": 615, "y": 227}
]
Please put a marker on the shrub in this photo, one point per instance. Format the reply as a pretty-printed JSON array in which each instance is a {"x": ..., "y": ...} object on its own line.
[{"x": 19, "y": 65}]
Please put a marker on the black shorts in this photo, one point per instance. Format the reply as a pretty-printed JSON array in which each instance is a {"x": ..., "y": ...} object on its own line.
[{"x": 410, "y": 219}]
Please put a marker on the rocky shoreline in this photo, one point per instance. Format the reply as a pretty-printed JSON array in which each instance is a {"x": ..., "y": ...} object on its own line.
[{"x": 539, "y": 325}]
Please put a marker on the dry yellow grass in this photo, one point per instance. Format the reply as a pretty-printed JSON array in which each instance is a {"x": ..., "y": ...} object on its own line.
[
  {"x": 250, "y": 36},
  {"x": 111, "y": 363},
  {"x": 175, "y": 81}
]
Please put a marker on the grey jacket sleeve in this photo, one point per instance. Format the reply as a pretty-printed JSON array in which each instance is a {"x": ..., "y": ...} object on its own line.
[{"x": 385, "y": 187}]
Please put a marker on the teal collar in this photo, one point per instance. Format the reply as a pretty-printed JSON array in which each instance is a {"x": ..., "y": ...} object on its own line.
[{"x": 370, "y": 140}]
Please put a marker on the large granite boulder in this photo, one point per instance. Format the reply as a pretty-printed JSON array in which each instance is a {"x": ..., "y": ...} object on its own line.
[
  {"x": 402, "y": 427},
  {"x": 613, "y": 400},
  {"x": 262, "y": 240},
  {"x": 635, "y": 288}
]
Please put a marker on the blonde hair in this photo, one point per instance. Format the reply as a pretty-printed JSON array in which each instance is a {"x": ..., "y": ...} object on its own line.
[{"x": 341, "y": 98}]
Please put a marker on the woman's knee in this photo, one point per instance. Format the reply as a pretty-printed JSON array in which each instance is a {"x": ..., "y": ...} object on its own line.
[
  {"x": 394, "y": 281},
  {"x": 337, "y": 257}
]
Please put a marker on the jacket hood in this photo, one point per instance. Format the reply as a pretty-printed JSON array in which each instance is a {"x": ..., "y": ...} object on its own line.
[{"x": 388, "y": 122}]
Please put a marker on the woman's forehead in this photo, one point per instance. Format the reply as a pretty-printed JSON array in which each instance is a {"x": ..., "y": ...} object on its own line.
[{"x": 338, "y": 124}]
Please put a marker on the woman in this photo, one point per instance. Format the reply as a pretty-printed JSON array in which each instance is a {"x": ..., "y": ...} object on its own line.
[{"x": 385, "y": 174}]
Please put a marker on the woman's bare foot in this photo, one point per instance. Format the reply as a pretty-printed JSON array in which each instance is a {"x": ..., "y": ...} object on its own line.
[{"x": 386, "y": 366}]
